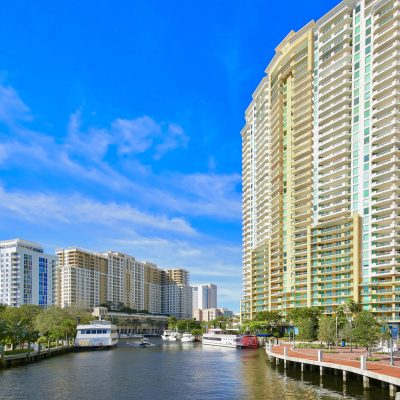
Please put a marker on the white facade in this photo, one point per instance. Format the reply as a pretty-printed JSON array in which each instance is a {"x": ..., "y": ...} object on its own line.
[
  {"x": 204, "y": 296},
  {"x": 27, "y": 274},
  {"x": 177, "y": 294},
  {"x": 177, "y": 300},
  {"x": 125, "y": 280}
]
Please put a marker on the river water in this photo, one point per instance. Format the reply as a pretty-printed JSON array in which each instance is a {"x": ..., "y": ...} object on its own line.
[{"x": 172, "y": 371}]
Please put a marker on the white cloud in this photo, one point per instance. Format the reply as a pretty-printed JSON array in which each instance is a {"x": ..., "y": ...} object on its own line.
[
  {"x": 173, "y": 138},
  {"x": 129, "y": 136},
  {"x": 214, "y": 195},
  {"x": 208, "y": 259},
  {"x": 76, "y": 209},
  {"x": 92, "y": 144},
  {"x": 136, "y": 135},
  {"x": 12, "y": 108}
]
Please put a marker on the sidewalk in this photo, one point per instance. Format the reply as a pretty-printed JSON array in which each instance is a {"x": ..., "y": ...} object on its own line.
[{"x": 345, "y": 358}]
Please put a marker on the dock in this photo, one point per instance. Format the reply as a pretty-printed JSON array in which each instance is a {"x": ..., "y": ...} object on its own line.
[
  {"x": 386, "y": 375},
  {"x": 33, "y": 356}
]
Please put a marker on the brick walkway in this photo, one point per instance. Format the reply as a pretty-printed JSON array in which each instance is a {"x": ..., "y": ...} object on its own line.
[{"x": 344, "y": 357}]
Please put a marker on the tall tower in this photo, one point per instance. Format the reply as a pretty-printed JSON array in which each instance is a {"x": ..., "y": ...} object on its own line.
[{"x": 324, "y": 181}]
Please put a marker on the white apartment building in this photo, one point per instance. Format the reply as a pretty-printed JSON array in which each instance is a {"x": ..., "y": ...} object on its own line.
[
  {"x": 27, "y": 274},
  {"x": 176, "y": 293},
  {"x": 88, "y": 279},
  {"x": 125, "y": 280},
  {"x": 204, "y": 296}
]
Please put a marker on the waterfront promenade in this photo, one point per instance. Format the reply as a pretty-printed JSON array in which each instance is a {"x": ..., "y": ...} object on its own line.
[
  {"x": 343, "y": 360},
  {"x": 32, "y": 356}
]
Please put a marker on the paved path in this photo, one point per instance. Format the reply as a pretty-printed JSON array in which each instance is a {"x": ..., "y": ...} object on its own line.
[{"x": 341, "y": 358}]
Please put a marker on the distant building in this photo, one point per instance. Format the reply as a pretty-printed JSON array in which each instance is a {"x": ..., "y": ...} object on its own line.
[
  {"x": 204, "y": 296},
  {"x": 125, "y": 280},
  {"x": 88, "y": 279},
  {"x": 152, "y": 288},
  {"x": 81, "y": 277},
  {"x": 27, "y": 274},
  {"x": 209, "y": 314},
  {"x": 176, "y": 293}
]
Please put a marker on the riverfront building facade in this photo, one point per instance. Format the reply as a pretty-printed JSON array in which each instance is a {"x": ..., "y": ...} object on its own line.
[
  {"x": 176, "y": 293},
  {"x": 321, "y": 167},
  {"x": 88, "y": 279},
  {"x": 204, "y": 296},
  {"x": 27, "y": 274}
]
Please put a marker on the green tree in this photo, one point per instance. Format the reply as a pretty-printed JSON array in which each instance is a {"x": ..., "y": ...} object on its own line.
[
  {"x": 56, "y": 323},
  {"x": 172, "y": 321},
  {"x": 306, "y": 320},
  {"x": 187, "y": 325},
  {"x": 197, "y": 331},
  {"x": 3, "y": 331},
  {"x": 367, "y": 330},
  {"x": 271, "y": 318},
  {"x": 19, "y": 324},
  {"x": 327, "y": 330}
]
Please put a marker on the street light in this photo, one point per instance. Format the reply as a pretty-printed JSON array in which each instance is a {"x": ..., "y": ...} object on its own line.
[
  {"x": 294, "y": 336},
  {"x": 391, "y": 346},
  {"x": 351, "y": 334}
]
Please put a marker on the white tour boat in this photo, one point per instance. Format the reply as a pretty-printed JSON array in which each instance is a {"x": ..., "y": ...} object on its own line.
[
  {"x": 217, "y": 337},
  {"x": 97, "y": 334},
  {"x": 187, "y": 337},
  {"x": 170, "y": 336}
]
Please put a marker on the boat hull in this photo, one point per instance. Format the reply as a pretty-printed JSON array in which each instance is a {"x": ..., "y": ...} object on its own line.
[{"x": 209, "y": 343}]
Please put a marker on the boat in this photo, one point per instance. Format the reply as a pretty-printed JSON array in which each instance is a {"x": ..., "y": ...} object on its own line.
[
  {"x": 145, "y": 342},
  {"x": 170, "y": 336},
  {"x": 187, "y": 337},
  {"x": 96, "y": 335},
  {"x": 218, "y": 337}
]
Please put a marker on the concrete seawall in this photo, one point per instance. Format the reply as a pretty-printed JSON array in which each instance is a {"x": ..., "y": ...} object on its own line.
[{"x": 26, "y": 358}]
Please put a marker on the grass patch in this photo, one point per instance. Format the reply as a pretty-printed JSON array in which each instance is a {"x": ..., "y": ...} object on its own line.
[
  {"x": 16, "y": 351},
  {"x": 310, "y": 346},
  {"x": 370, "y": 359}
]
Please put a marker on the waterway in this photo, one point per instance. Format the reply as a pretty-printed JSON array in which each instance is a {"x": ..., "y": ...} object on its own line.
[{"x": 172, "y": 371}]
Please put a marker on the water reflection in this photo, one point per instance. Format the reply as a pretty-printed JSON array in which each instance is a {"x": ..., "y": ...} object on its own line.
[{"x": 172, "y": 371}]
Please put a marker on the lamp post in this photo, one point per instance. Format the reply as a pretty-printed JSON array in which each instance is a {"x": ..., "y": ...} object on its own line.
[
  {"x": 351, "y": 335},
  {"x": 294, "y": 335},
  {"x": 391, "y": 346}
]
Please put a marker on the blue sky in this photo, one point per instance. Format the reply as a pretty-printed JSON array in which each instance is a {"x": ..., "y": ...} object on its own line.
[{"x": 120, "y": 125}]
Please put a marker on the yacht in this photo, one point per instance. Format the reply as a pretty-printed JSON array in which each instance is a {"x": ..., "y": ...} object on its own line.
[
  {"x": 170, "y": 336},
  {"x": 96, "y": 335},
  {"x": 217, "y": 337},
  {"x": 187, "y": 337}
]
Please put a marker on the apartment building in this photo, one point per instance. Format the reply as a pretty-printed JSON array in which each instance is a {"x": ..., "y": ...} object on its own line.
[
  {"x": 204, "y": 296},
  {"x": 152, "y": 288},
  {"x": 125, "y": 280},
  {"x": 320, "y": 167},
  {"x": 81, "y": 277},
  {"x": 88, "y": 279},
  {"x": 27, "y": 274},
  {"x": 176, "y": 293},
  {"x": 210, "y": 314}
]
